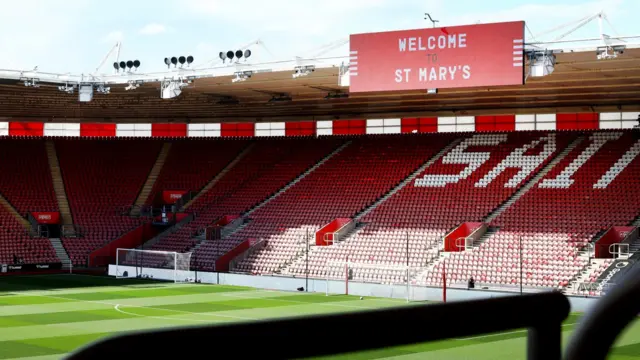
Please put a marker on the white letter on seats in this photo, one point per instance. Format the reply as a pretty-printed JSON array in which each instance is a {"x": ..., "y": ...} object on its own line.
[
  {"x": 526, "y": 163},
  {"x": 564, "y": 180},
  {"x": 457, "y": 156},
  {"x": 617, "y": 168}
]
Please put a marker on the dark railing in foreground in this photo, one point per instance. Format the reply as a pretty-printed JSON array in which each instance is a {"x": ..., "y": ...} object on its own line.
[
  {"x": 611, "y": 315},
  {"x": 311, "y": 336},
  {"x": 296, "y": 338}
]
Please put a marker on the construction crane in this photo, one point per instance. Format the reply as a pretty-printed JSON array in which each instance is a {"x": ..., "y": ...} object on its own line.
[{"x": 115, "y": 48}]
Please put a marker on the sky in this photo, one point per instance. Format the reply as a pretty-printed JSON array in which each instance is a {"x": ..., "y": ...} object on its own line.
[{"x": 73, "y": 36}]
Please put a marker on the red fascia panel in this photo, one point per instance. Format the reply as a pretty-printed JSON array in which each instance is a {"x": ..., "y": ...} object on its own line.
[
  {"x": 349, "y": 127},
  {"x": 580, "y": 121},
  {"x": 168, "y": 130},
  {"x": 300, "y": 128},
  {"x": 420, "y": 125},
  {"x": 97, "y": 130},
  {"x": 236, "y": 130},
  {"x": 26, "y": 129},
  {"x": 495, "y": 123}
]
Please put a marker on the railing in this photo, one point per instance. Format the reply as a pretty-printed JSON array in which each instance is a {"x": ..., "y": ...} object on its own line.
[
  {"x": 260, "y": 244},
  {"x": 619, "y": 250},
  {"x": 71, "y": 231}
]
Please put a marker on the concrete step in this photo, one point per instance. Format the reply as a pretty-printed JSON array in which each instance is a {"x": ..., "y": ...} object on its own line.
[
  {"x": 58, "y": 183},
  {"x": 531, "y": 183},
  {"x": 151, "y": 179}
]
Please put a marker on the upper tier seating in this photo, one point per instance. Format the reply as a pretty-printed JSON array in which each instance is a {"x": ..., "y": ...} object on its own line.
[
  {"x": 427, "y": 208},
  {"x": 103, "y": 177},
  {"x": 25, "y": 177},
  {"x": 270, "y": 165},
  {"x": 192, "y": 163},
  {"x": 558, "y": 216},
  {"x": 345, "y": 185}
]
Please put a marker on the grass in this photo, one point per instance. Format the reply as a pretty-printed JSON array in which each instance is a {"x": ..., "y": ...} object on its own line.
[{"x": 46, "y": 317}]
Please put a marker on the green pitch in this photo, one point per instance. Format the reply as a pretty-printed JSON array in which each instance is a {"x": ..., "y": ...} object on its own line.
[{"x": 45, "y": 317}]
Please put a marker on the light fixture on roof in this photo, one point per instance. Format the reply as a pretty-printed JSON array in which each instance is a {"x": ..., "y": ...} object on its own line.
[
  {"x": 280, "y": 98},
  {"x": 66, "y": 88},
  {"x": 126, "y": 66},
  {"x": 103, "y": 89},
  {"x": 541, "y": 62},
  {"x": 609, "y": 52},
  {"x": 132, "y": 85},
  {"x": 171, "y": 88},
  {"x": 178, "y": 60},
  {"x": 242, "y": 76},
  {"x": 30, "y": 82},
  {"x": 238, "y": 54},
  {"x": 336, "y": 95},
  {"x": 303, "y": 71}
]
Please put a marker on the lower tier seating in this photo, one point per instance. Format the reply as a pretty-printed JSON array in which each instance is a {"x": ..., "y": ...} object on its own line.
[
  {"x": 342, "y": 187},
  {"x": 17, "y": 246}
]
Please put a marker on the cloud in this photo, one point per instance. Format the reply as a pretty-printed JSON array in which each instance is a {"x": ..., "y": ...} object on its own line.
[
  {"x": 153, "y": 29},
  {"x": 113, "y": 36}
]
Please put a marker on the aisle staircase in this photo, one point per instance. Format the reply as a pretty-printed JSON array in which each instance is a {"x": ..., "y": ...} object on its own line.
[
  {"x": 408, "y": 180},
  {"x": 531, "y": 183},
  {"x": 12, "y": 210},
  {"x": 221, "y": 174},
  {"x": 61, "y": 253},
  {"x": 151, "y": 179},
  {"x": 58, "y": 183}
]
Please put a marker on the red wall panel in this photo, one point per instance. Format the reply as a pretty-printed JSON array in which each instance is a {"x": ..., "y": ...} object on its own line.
[
  {"x": 349, "y": 127},
  {"x": 580, "y": 121},
  {"x": 300, "y": 128},
  {"x": 97, "y": 130},
  {"x": 168, "y": 130},
  {"x": 26, "y": 129},
  {"x": 235, "y": 130},
  {"x": 420, "y": 125},
  {"x": 496, "y": 123}
]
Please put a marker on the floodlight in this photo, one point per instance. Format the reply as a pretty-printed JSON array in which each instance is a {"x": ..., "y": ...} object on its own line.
[
  {"x": 123, "y": 65},
  {"x": 189, "y": 59},
  {"x": 247, "y": 53},
  {"x": 230, "y": 55},
  {"x": 136, "y": 63},
  {"x": 174, "y": 61},
  {"x": 129, "y": 64},
  {"x": 239, "y": 54},
  {"x": 182, "y": 60},
  {"x": 116, "y": 66}
]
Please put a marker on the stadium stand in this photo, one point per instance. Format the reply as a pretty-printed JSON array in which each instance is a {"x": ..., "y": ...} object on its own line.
[
  {"x": 341, "y": 188},
  {"x": 269, "y": 166},
  {"x": 424, "y": 210},
  {"x": 102, "y": 179},
  {"x": 557, "y": 218},
  {"x": 192, "y": 163}
]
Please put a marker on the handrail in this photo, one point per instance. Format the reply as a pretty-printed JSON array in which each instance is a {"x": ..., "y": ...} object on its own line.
[
  {"x": 617, "y": 251},
  {"x": 541, "y": 314},
  {"x": 610, "y": 316}
]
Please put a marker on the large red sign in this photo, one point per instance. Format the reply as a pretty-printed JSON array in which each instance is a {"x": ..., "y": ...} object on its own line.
[
  {"x": 438, "y": 58},
  {"x": 47, "y": 217}
]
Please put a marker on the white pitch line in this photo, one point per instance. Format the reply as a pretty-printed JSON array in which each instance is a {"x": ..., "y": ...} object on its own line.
[
  {"x": 147, "y": 307},
  {"x": 117, "y": 308},
  {"x": 504, "y": 333}
]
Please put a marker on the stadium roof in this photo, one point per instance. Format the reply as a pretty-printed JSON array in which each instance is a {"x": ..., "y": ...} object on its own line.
[{"x": 580, "y": 82}]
